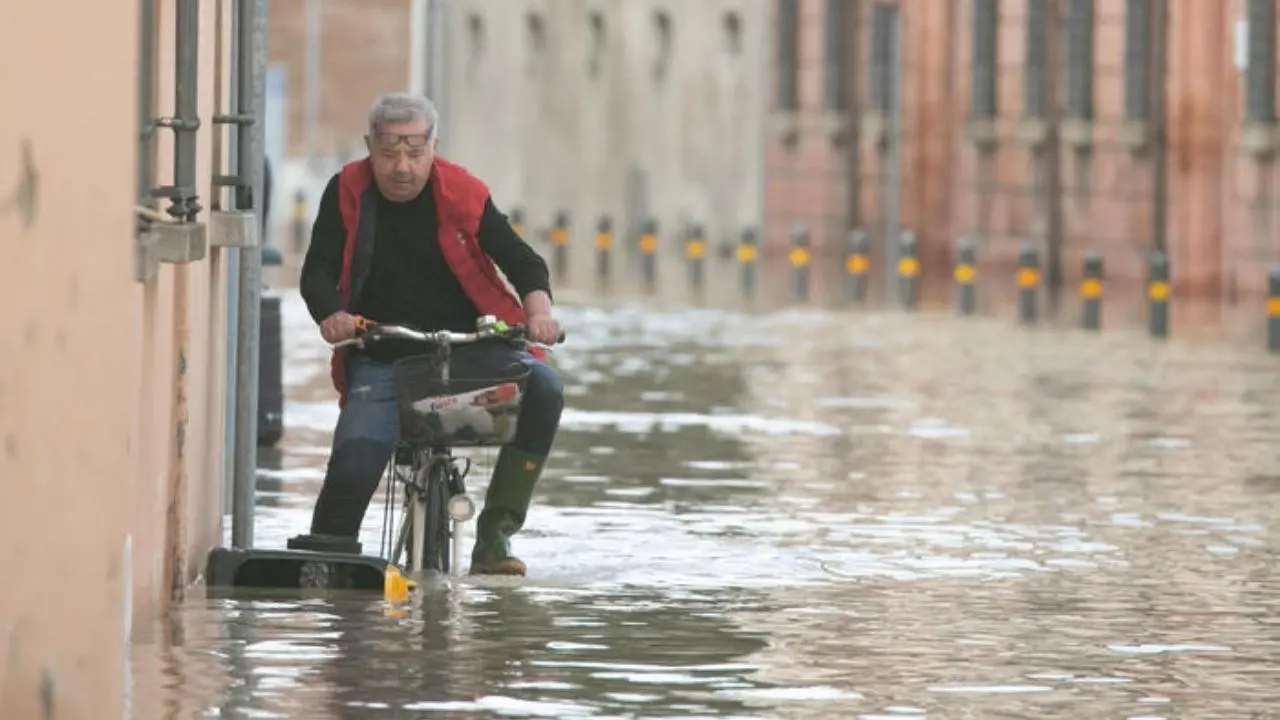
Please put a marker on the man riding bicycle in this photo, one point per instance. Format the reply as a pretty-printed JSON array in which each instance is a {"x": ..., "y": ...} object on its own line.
[{"x": 406, "y": 237}]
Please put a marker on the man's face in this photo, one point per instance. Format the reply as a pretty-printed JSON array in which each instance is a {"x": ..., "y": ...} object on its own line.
[{"x": 401, "y": 156}]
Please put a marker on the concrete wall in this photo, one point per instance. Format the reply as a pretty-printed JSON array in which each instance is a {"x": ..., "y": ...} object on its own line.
[
  {"x": 110, "y": 390},
  {"x": 610, "y": 118},
  {"x": 1221, "y": 204}
]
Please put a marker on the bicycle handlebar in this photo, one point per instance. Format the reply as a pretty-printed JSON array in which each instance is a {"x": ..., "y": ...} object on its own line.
[{"x": 366, "y": 331}]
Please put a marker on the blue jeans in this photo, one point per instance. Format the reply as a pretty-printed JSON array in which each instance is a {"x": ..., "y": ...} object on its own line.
[{"x": 369, "y": 429}]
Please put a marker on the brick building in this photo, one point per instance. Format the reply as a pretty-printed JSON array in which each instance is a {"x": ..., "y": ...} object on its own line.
[{"x": 1071, "y": 124}]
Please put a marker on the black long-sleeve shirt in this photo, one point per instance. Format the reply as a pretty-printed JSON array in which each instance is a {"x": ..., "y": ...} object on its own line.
[{"x": 409, "y": 281}]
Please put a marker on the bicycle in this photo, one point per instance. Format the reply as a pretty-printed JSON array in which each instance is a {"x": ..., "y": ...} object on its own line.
[{"x": 438, "y": 412}]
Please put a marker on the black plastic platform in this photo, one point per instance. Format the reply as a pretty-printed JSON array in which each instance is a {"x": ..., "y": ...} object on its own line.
[{"x": 284, "y": 569}]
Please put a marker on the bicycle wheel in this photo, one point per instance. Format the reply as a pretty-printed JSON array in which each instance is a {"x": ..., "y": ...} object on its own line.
[
  {"x": 435, "y": 551},
  {"x": 435, "y": 541}
]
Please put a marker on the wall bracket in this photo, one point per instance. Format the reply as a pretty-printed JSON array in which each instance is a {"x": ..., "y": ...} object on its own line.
[
  {"x": 172, "y": 243},
  {"x": 233, "y": 228}
]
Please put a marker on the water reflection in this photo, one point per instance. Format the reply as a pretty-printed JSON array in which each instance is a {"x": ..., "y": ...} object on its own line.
[{"x": 809, "y": 515}]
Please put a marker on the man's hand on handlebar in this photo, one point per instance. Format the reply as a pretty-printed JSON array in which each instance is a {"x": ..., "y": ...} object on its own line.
[
  {"x": 545, "y": 330},
  {"x": 340, "y": 326},
  {"x": 356, "y": 330}
]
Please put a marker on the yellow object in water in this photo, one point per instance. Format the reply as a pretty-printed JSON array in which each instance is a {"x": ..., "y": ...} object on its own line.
[{"x": 395, "y": 586}]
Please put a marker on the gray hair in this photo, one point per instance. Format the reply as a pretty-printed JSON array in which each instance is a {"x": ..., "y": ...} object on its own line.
[{"x": 403, "y": 107}]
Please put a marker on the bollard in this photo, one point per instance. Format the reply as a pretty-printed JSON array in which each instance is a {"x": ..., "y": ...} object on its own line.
[
  {"x": 1091, "y": 292},
  {"x": 604, "y": 247},
  {"x": 799, "y": 258},
  {"x": 1273, "y": 310},
  {"x": 270, "y": 372},
  {"x": 695, "y": 249},
  {"x": 1028, "y": 283},
  {"x": 908, "y": 271},
  {"x": 858, "y": 265},
  {"x": 560, "y": 243},
  {"x": 300, "y": 229},
  {"x": 966, "y": 273},
  {"x": 1158, "y": 295},
  {"x": 516, "y": 218},
  {"x": 747, "y": 255},
  {"x": 648, "y": 250}
]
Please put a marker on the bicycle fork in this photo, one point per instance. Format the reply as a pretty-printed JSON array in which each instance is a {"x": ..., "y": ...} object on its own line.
[{"x": 434, "y": 477}]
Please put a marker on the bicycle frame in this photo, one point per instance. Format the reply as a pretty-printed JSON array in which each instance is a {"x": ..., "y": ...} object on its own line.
[{"x": 432, "y": 473}]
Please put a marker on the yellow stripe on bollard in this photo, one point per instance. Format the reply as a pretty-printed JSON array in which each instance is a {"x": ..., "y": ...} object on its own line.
[
  {"x": 1273, "y": 307},
  {"x": 648, "y": 244},
  {"x": 1091, "y": 289},
  {"x": 695, "y": 249},
  {"x": 965, "y": 274},
  {"x": 908, "y": 267},
  {"x": 1028, "y": 277},
  {"x": 1158, "y": 291},
  {"x": 746, "y": 253},
  {"x": 799, "y": 257},
  {"x": 519, "y": 228},
  {"x": 604, "y": 241},
  {"x": 559, "y": 236},
  {"x": 858, "y": 265}
]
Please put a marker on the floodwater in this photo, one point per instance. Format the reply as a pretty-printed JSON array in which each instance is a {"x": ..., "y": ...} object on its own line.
[{"x": 807, "y": 514}]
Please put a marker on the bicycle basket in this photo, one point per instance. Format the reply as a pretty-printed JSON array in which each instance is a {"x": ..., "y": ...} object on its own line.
[{"x": 480, "y": 405}]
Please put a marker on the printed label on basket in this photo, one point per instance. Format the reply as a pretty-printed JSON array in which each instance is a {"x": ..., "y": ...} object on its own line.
[{"x": 486, "y": 416}]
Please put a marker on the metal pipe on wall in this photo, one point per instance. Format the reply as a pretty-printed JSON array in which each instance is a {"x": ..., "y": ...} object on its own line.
[
  {"x": 146, "y": 101},
  {"x": 232, "y": 283},
  {"x": 186, "y": 121},
  {"x": 251, "y": 36},
  {"x": 185, "y": 206}
]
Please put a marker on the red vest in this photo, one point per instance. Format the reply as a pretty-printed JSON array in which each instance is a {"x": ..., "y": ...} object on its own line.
[{"x": 460, "y": 199}]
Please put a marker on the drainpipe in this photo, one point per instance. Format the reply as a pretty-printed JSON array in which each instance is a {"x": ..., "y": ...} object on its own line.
[
  {"x": 251, "y": 43},
  {"x": 146, "y": 101},
  {"x": 184, "y": 207},
  {"x": 186, "y": 122}
]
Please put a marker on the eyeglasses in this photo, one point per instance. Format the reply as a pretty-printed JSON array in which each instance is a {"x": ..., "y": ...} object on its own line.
[{"x": 391, "y": 140}]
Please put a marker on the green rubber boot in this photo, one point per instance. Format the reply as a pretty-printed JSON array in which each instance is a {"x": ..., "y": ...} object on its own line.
[{"x": 505, "y": 505}]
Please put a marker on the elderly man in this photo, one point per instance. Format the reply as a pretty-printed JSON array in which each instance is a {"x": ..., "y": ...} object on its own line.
[{"x": 407, "y": 237}]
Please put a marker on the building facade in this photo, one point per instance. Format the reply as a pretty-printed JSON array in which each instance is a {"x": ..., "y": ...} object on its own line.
[
  {"x": 613, "y": 108},
  {"x": 626, "y": 109},
  {"x": 1072, "y": 125},
  {"x": 111, "y": 392}
]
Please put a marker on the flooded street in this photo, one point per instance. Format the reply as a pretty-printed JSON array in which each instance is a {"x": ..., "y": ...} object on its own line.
[{"x": 806, "y": 514}]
